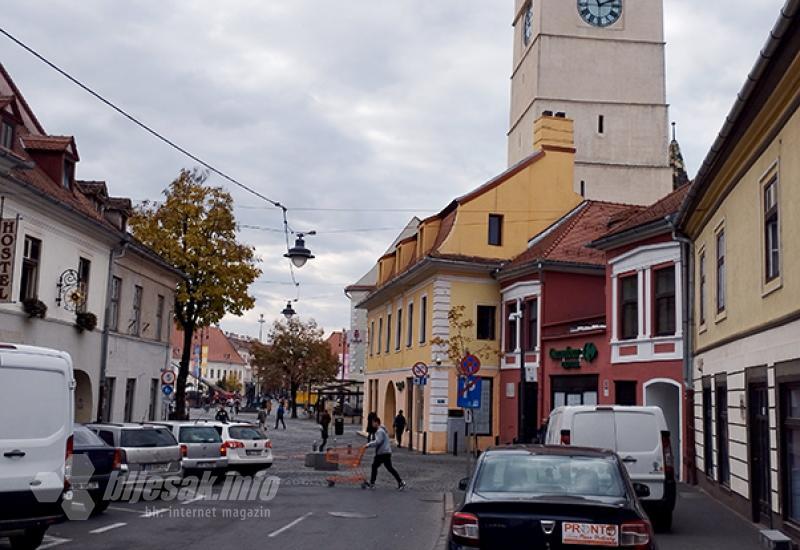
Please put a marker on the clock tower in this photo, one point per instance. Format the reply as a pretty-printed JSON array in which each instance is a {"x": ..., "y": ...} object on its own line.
[{"x": 602, "y": 63}]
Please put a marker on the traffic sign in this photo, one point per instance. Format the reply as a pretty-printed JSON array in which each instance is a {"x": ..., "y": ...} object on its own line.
[
  {"x": 420, "y": 370},
  {"x": 167, "y": 390},
  {"x": 420, "y": 380},
  {"x": 469, "y": 392},
  {"x": 168, "y": 377},
  {"x": 470, "y": 365}
]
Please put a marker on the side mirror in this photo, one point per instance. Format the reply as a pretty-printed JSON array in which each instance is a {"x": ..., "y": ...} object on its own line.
[
  {"x": 464, "y": 483},
  {"x": 641, "y": 490}
]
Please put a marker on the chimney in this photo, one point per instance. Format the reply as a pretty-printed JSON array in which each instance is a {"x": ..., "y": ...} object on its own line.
[{"x": 553, "y": 131}]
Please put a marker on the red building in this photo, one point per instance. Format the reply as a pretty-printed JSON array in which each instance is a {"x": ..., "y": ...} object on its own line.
[{"x": 594, "y": 309}]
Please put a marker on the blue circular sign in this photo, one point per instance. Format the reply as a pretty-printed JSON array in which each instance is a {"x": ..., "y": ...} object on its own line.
[{"x": 167, "y": 390}]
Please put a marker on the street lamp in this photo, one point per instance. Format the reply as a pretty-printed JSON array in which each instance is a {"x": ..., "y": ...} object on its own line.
[
  {"x": 289, "y": 311},
  {"x": 299, "y": 254}
]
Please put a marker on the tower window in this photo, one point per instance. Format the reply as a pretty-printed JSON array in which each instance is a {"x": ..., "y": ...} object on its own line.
[
  {"x": 601, "y": 124},
  {"x": 583, "y": 189}
]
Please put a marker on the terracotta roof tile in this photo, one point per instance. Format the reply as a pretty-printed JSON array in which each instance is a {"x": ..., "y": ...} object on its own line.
[
  {"x": 220, "y": 349},
  {"x": 567, "y": 240},
  {"x": 659, "y": 210}
]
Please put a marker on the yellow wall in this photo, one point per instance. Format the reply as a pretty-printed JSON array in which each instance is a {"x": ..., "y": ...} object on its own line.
[
  {"x": 529, "y": 201},
  {"x": 752, "y": 302}
]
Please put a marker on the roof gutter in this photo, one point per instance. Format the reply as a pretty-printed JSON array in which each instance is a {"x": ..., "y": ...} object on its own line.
[
  {"x": 783, "y": 24},
  {"x": 633, "y": 234}
]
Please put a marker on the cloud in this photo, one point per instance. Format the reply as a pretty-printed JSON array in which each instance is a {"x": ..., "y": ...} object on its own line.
[{"x": 329, "y": 105}]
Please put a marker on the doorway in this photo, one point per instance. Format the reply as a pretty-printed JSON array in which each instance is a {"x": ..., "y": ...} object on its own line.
[
  {"x": 84, "y": 403},
  {"x": 758, "y": 427},
  {"x": 389, "y": 408},
  {"x": 625, "y": 393}
]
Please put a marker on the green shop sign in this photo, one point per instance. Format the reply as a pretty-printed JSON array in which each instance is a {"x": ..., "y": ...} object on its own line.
[{"x": 571, "y": 358}]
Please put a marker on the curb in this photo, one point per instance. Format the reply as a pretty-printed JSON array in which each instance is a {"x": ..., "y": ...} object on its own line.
[{"x": 447, "y": 511}]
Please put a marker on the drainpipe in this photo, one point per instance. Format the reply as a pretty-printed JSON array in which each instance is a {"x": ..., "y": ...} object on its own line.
[
  {"x": 687, "y": 255},
  {"x": 116, "y": 253}
]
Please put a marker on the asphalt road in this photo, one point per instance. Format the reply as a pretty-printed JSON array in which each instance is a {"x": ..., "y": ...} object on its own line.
[{"x": 306, "y": 513}]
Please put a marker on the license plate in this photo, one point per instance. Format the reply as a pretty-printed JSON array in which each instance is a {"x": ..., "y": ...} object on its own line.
[
  {"x": 590, "y": 534},
  {"x": 156, "y": 467},
  {"x": 205, "y": 464},
  {"x": 254, "y": 453},
  {"x": 85, "y": 486}
]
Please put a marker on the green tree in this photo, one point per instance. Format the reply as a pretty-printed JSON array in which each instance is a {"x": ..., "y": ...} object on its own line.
[
  {"x": 460, "y": 341},
  {"x": 194, "y": 230},
  {"x": 297, "y": 355}
]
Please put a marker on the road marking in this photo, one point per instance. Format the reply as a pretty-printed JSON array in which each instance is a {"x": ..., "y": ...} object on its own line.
[
  {"x": 154, "y": 513},
  {"x": 120, "y": 509},
  {"x": 195, "y": 499},
  {"x": 289, "y": 525},
  {"x": 107, "y": 528},
  {"x": 50, "y": 542}
]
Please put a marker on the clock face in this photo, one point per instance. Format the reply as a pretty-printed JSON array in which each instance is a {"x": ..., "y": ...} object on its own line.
[
  {"x": 600, "y": 13},
  {"x": 527, "y": 31}
]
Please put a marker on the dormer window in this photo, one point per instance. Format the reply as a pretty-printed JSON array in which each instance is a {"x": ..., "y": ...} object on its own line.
[
  {"x": 7, "y": 135},
  {"x": 69, "y": 174}
]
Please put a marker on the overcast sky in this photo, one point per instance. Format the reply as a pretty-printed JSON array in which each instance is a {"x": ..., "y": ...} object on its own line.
[{"x": 355, "y": 104}]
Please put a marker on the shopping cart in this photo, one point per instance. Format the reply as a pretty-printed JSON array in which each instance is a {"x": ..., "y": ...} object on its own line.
[{"x": 349, "y": 460}]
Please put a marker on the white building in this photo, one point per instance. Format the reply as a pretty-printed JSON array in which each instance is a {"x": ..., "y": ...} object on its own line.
[{"x": 56, "y": 266}]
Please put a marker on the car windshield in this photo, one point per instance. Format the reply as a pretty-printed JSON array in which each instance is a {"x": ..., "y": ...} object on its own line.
[
  {"x": 158, "y": 437},
  {"x": 245, "y": 432},
  {"x": 198, "y": 434},
  {"x": 550, "y": 475},
  {"x": 84, "y": 437}
]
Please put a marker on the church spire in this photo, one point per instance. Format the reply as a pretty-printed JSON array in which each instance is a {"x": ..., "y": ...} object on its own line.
[{"x": 679, "y": 175}]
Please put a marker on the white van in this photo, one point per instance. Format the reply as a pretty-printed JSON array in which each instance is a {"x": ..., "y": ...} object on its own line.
[
  {"x": 36, "y": 400},
  {"x": 640, "y": 437}
]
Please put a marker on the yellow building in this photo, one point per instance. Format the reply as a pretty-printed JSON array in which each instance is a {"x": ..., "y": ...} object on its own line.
[
  {"x": 448, "y": 262},
  {"x": 742, "y": 218}
]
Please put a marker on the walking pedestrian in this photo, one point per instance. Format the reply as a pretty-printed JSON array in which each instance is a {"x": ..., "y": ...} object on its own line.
[
  {"x": 222, "y": 414},
  {"x": 383, "y": 455},
  {"x": 399, "y": 427},
  {"x": 279, "y": 416},
  {"x": 236, "y": 405},
  {"x": 262, "y": 418},
  {"x": 269, "y": 405},
  {"x": 370, "y": 430},
  {"x": 324, "y": 423}
]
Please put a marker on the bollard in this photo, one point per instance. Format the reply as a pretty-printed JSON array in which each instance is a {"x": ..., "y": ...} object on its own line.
[{"x": 424, "y": 443}]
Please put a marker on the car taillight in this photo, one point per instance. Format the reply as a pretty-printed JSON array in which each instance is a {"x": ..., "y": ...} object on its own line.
[
  {"x": 465, "y": 526},
  {"x": 68, "y": 461},
  {"x": 268, "y": 444},
  {"x": 184, "y": 450},
  {"x": 232, "y": 444},
  {"x": 565, "y": 437},
  {"x": 119, "y": 459},
  {"x": 223, "y": 450},
  {"x": 635, "y": 534},
  {"x": 669, "y": 459}
]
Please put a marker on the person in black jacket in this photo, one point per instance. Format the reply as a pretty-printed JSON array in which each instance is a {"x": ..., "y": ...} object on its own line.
[
  {"x": 222, "y": 414},
  {"x": 324, "y": 423},
  {"x": 399, "y": 427},
  {"x": 370, "y": 428}
]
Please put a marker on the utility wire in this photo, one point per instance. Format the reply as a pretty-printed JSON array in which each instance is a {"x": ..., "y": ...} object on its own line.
[{"x": 160, "y": 137}]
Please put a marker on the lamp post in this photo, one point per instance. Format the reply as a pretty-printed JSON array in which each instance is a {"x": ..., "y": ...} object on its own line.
[{"x": 261, "y": 322}]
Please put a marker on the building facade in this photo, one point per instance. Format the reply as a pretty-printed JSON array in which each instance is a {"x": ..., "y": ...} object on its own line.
[
  {"x": 357, "y": 336},
  {"x": 446, "y": 266},
  {"x": 64, "y": 242},
  {"x": 605, "y": 67},
  {"x": 741, "y": 216}
]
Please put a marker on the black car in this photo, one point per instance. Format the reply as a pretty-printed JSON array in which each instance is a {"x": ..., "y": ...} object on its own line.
[
  {"x": 552, "y": 498},
  {"x": 104, "y": 460}
]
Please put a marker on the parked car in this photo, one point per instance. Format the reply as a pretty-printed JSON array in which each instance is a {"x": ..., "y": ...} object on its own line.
[
  {"x": 150, "y": 452},
  {"x": 104, "y": 459},
  {"x": 550, "y": 497},
  {"x": 35, "y": 441},
  {"x": 249, "y": 449},
  {"x": 639, "y": 435},
  {"x": 202, "y": 449}
]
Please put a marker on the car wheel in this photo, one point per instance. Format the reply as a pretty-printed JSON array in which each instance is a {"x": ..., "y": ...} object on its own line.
[
  {"x": 28, "y": 541},
  {"x": 100, "y": 506},
  {"x": 662, "y": 521}
]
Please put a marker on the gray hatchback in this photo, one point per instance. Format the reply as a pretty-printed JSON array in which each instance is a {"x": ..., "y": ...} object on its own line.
[
  {"x": 201, "y": 447},
  {"x": 152, "y": 452}
]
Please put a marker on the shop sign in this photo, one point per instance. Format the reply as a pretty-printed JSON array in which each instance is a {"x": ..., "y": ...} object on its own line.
[
  {"x": 8, "y": 245},
  {"x": 571, "y": 357}
]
